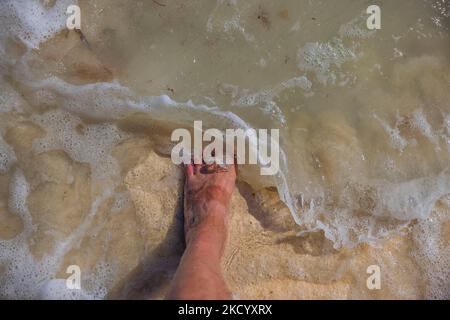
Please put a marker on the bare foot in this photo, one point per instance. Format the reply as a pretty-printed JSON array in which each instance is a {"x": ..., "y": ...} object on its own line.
[{"x": 207, "y": 195}]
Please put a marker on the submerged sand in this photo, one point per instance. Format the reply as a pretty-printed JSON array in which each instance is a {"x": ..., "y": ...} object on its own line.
[{"x": 131, "y": 250}]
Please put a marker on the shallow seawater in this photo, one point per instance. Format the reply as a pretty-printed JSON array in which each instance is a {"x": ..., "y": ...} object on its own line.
[{"x": 364, "y": 120}]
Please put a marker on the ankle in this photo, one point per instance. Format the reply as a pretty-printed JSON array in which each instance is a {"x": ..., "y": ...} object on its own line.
[{"x": 209, "y": 237}]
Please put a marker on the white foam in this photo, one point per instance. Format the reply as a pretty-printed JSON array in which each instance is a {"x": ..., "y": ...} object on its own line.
[
  {"x": 19, "y": 190},
  {"x": 25, "y": 277},
  {"x": 433, "y": 255},
  {"x": 7, "y": 155},
  {"x": 413, "y": 199},
  {"x": 265, "y": 98},
  {"x": 356, "y": 28},
  {"x": 301, "y": 82},
  {"x": 421, "y": 123},
  {"x": 31, "y": 21},
  {"x": 397, "y": 140},
  {"x": 10, "y": 100},
  {"x": 91, "y": 144},
  {"x": 56, "y": 289},
  {"x": 324, "y": 59}
]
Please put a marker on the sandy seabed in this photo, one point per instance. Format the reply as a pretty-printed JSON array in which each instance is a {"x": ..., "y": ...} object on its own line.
[{"x": 132, "y": 246}]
